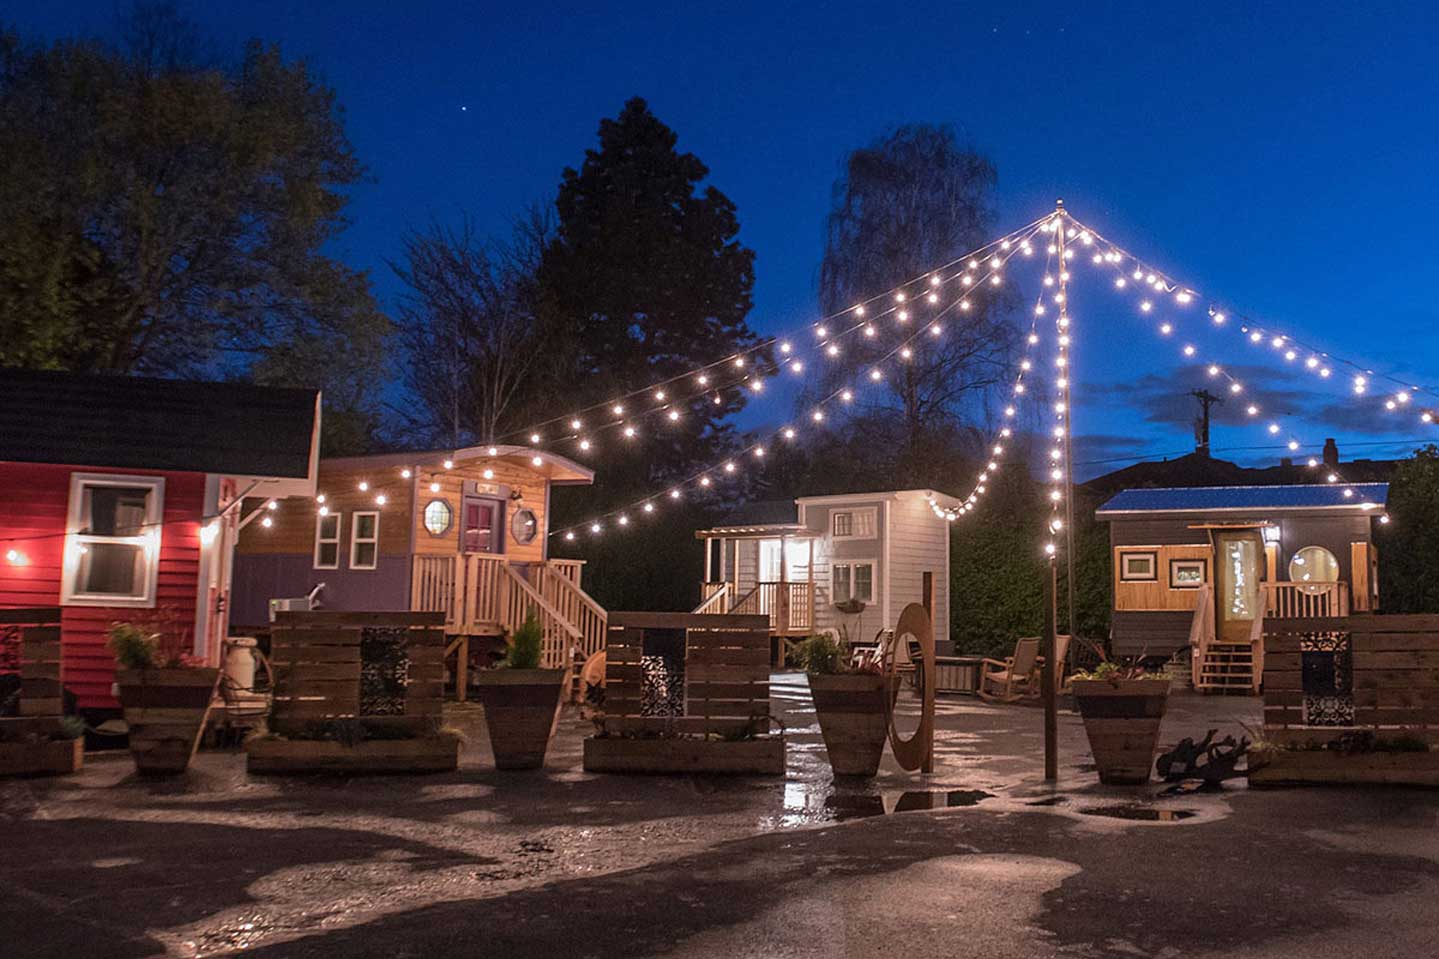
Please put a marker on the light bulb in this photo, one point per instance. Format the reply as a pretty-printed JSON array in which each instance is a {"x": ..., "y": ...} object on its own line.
[
  {"x": 434, "y": 487},
  {"x": 448, "y": 464},
  {"x": 534, "y": 438},
  {"x": 537, "y": 461},
  {"x": 364, "y": 486},
  {"x": 381, "y": 500},
  {"x": 488, "y": 474}
]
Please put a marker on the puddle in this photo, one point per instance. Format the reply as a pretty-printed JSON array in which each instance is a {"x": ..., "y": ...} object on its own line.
[
  {"x": 858, "y": 806},
  {"x": 1139, "y": 813},
  {"x": 1051, "y": 801}
]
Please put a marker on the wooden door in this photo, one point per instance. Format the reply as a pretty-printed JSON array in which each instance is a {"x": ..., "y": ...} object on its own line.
[
  {"x": 926, "y": 591},
  {"x": 482, "y": 525},
  {"x": 1238, "y": 559}
]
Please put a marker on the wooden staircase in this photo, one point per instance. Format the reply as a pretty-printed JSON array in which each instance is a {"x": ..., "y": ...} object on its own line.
[{"x": 1223, "y": 667}]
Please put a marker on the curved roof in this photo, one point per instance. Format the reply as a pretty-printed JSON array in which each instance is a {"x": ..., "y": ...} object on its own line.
[
  {"x": 560, "y": 470},
  {"x": 1357, "y": 497}
]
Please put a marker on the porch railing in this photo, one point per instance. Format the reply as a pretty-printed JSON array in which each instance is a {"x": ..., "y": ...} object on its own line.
[
  {"x": 479, "y": 593},
  {"x": 1305, "y": 600},
  {"x": 717, "y": 598},
  {"x": 789, "y": 606}
]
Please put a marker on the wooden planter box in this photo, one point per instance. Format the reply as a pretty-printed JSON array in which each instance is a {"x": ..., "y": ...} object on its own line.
[
  {"x": 521, "y": 709},
  {"x": 1121, "y": 719},
  {"x": 1288, "y": 767},
  {"x": 853, "y": 720},
  {"x": 618, "y": 754},
  {"x": 165, "y": 710},
  {"x": 47, "y": 757},
  {"x": 427, "y": 754}
]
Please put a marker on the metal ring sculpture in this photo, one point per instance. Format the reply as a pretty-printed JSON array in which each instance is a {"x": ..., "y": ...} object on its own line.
[{"x": 916, "y": 752}]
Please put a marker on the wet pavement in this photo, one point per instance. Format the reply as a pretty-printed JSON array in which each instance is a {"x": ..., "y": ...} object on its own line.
[{"x": 980, "y": 858}]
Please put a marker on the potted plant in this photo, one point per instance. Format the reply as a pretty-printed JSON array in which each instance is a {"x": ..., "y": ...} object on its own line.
[
  {"x": 521, "y": 700},
  {"x": 1122, "y": 708},
  {"x": 852, "y": 705},
  {"x": 165, "y": 693}
]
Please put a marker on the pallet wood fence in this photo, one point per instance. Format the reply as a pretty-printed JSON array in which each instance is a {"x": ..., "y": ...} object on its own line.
[
  {"x": 340, "y": 668},
  {"x": 725, "y": 722},
  {"x": 28, "y": 743},
  {"x": 1350, "y": 699}
]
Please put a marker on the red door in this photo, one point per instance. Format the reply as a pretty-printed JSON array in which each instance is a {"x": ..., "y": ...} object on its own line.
[{"x": 482, "y": 527}]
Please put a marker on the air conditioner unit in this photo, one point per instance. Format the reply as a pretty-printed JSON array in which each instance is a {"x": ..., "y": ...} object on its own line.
[{"x": 300, "y": 604}]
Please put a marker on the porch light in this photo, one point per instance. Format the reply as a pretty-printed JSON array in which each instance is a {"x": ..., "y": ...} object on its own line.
[
  {"x": 1271, "y": 534},
  {"x": 16, "y": 558},
  {"x": 208, "y": 532},
  {"x": 272, "y": 505}
]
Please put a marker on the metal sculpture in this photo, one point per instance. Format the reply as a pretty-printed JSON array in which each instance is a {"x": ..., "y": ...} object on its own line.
[{"x": 916, "y": 752}]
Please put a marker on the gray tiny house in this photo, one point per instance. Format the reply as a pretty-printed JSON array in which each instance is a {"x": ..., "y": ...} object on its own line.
[
  {"x": 1203, "y": 567},
  {"x": 794, "y": 560}
]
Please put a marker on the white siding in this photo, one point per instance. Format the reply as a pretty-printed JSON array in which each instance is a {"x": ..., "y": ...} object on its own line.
[
  {"x": 919, "y": 542},
  {"x": 816, "y": 516}
]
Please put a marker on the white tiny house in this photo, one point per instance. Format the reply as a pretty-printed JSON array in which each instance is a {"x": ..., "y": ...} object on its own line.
[{"x": 795, "y": 560}]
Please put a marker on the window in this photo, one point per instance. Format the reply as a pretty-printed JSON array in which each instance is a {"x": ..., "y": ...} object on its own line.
[
  {"x": 438, "y": 517},
  {"x": 1316, "y": 565},
  {"x": 364, "y": 540},
  {"x": 852, "y": 581},
  {"x": 853, "y": 523},
  {"x": 1139, "y": 567},
  {"x": 327, "y": 541},
  {"x": 112, "y": 550},
  {"x": 524, "y": 526},
  {"x": 1186, "y": 573}
]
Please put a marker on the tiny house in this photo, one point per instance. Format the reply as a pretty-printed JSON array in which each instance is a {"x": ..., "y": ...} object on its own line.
[
  {"x": 121, "y": 499},
  {"x": 465, "y": 532},
  {"x": 795, "y": 560},
  {"x": 1203, "y": 567}
]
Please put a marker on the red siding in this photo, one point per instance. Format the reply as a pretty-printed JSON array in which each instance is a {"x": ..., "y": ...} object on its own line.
[{"x": 33, "y": 503}]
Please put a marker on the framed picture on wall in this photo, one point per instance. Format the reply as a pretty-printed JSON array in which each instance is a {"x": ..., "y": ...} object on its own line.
[
  {"x": 1187, "y": 573},
  {"x": 1138, "y": 567}
]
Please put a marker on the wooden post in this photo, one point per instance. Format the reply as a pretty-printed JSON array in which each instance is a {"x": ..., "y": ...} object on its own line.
[
  {"x": 709, "y": 561},
  {"x": 1049, "y": 674}
]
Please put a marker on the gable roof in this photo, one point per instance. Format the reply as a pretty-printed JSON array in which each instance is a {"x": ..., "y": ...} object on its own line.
[
  {"x": 131, "y": 422},
  {"x": 1362, "y": 497}
]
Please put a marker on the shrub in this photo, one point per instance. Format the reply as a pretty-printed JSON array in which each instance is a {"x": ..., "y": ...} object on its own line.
[
  {"x": 823, "y": 655},
  {"x": 133, "y": 647},
  {"x": 525, "y": 645}
]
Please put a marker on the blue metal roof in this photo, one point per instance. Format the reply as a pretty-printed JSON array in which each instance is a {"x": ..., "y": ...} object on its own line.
[{"x": 1205, "y": 499}]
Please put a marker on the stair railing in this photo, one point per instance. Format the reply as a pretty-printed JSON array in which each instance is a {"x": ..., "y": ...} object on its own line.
[{"x": 1201, "y": 632}]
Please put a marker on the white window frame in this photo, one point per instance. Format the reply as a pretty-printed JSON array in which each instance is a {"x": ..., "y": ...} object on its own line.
[
  {"x": 859, "y": 518},
  {"x": 356, "y": 540},
  {"x": 77, "y": 541},
  {"x": 852, "y": 565},
  {"x": 319, "y": 541}
]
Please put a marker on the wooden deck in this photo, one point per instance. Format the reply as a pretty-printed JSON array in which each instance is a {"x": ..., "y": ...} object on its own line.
[
  {"x": 484, "y": 595},
  {"x": 789, "y": 606}
]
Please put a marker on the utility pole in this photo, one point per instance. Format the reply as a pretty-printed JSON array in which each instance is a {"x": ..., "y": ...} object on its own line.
[{"x": 1206, "y": 400}]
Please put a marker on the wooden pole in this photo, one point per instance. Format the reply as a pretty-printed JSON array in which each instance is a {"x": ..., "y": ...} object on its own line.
[{"x": 1050, "y": 673}]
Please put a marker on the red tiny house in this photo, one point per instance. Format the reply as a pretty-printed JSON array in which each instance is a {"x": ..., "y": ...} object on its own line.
[{"x": 121, "y": 499}]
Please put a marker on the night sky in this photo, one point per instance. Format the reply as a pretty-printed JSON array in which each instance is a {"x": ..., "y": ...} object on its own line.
[{"x": 1285, "y": 164}]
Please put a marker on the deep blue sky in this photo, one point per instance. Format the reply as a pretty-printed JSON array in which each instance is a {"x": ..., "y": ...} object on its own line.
[{"x": 1285, "y": 162}]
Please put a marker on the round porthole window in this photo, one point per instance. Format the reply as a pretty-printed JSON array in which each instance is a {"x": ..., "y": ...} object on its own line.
[
  {"x": 524, "y": 527},
  {"x": 438, "y": 517},
  {"x": 1314, "y": 566}
]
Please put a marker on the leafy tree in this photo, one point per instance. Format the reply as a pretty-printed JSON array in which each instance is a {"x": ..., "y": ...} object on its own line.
[
  {"x": 479, "y": 361},
  {"x": 907, "y": 203},
  {"x": 163, "y": 216},
  {"x": 1407, "y": 546}
]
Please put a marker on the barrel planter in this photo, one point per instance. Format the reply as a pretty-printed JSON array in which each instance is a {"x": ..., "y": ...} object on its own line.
[
  {"x": 1121, "y": 719},
  {"x": 852, "y": 710},
  {"x": 521, "y": 709},
  {"x": 165, "y": 710}
]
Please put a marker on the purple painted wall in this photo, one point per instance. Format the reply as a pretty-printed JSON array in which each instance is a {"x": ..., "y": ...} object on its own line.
[{"x": 260, "y": 577}]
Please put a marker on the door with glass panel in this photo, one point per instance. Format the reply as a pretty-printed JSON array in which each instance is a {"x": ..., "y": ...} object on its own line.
[{"x": 1237, "y": 601}]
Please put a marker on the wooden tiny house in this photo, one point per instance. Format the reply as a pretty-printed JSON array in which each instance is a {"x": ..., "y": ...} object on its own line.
[
  {"x": 793, "y": 560},
  {"x": 1204, "y": 567},
  {"x": 465, "y": 533}
]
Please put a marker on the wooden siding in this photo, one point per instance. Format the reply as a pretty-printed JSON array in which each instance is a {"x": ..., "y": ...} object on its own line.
[
  {"x": 828, "y": 551},
  {"x": 1156, "y": 595},
  {"x": 293, "y": 532},
  {"x": 34, "y": 499},
  {"x": 519, "y": 478},
  {"x": 1149, "y": 632}
]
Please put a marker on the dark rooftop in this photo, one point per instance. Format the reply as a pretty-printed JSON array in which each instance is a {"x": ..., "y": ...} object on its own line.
[
  {"x": 766, "y": 512},
  {"x": 130, "y": 422},
  {"x": 1203, "y": 499}
]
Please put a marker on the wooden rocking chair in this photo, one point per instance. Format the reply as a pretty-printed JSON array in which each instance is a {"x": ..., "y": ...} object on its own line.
[{"x": 1013, "y": 678}]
